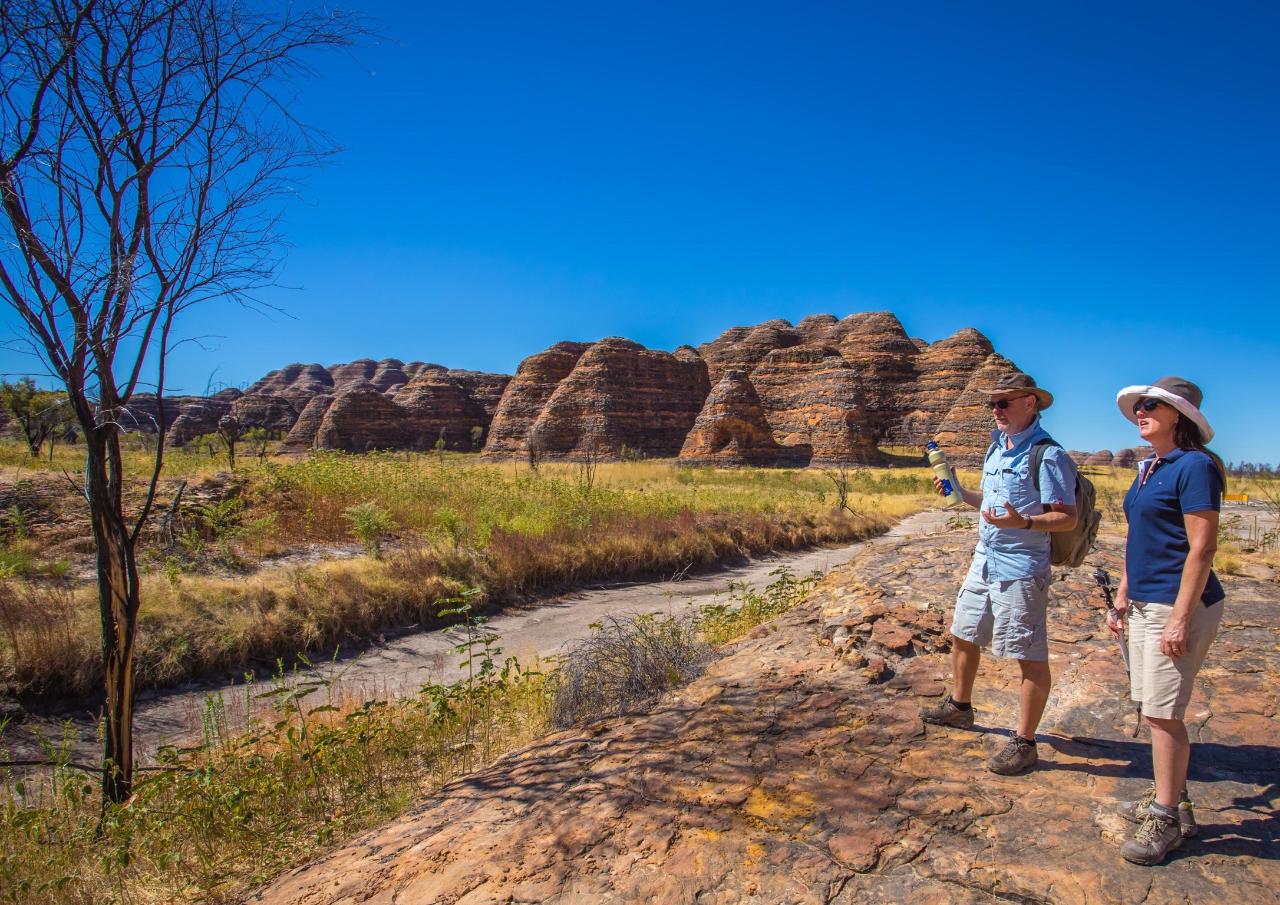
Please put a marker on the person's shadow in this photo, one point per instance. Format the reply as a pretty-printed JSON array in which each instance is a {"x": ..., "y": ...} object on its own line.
[{"x": 1247, "y": 765}]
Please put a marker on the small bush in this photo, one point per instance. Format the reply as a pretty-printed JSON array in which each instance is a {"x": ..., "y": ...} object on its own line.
[
  {"x": 720, "y": 623},
  {"x": 625, "y": 662},
  {"x": 370, "y": 524}
]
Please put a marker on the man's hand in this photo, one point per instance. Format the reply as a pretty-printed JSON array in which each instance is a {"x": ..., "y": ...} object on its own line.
[
  {"x": 1012, "y": 518},
  {"x": 1173, "y": 640}
]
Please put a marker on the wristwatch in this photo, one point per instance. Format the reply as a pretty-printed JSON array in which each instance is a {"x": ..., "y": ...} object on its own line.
[{"x": 1028, "y": 527}]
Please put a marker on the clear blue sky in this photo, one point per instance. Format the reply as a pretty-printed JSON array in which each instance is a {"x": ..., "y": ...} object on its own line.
[{"x": 1092, "y": 185}]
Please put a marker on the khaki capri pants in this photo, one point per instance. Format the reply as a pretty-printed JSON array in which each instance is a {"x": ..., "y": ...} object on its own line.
[{"x": 1163, "y": 684}]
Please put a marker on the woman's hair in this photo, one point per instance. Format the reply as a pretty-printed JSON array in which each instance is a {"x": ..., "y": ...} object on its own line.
[{"x": 1187, "y": 436}]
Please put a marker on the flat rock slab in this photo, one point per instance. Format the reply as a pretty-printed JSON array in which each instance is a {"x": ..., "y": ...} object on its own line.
[{"x": 797, "y": 770}]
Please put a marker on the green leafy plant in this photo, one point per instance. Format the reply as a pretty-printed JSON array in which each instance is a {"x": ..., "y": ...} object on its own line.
[{"x": 370, "y": 524}]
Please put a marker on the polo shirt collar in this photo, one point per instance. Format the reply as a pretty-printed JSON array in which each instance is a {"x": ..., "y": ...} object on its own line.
[
  {"x": 999, "y": 437},
  {"x": 1153, "y": 460}
]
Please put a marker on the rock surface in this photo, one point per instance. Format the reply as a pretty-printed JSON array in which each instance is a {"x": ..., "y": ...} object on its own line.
[
  {"x": 796, "y": 770},
  {"x": 732, "y": 429},
  {"x": 842, "y": 387},
  {"x": 812, "y": 397},
  {"x": 615, "y": 396}
]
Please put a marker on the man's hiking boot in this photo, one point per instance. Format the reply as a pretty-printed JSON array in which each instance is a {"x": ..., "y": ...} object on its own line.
[
  {"x": 1015, "y": 757},
  {"x": 948, "y": 714},
  {"x": 1137, "y": 810},
  {"x": 1158, "y": 835}
]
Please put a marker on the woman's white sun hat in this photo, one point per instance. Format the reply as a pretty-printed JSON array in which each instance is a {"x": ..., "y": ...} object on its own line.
[{"x": 1179, "y": 392}]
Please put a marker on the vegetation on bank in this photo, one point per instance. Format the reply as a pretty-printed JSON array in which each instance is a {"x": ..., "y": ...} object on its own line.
[
  {"x": 220, "y": 818},
  {"x": 269, "y": 569}
]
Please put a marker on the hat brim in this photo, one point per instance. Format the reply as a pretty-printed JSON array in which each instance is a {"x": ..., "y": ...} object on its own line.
[
  {"x": 1044, "y": 397},
  {"x": 1126, "y": 398}
]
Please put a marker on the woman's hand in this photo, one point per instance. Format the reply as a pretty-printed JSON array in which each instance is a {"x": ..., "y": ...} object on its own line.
[
  {"x": 1173, "y": 640},
  {"x": 1115, "y": 617}
]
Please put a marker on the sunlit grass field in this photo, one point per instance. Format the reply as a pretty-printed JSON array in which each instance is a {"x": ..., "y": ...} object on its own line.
[{"x": 217, "y": 600}]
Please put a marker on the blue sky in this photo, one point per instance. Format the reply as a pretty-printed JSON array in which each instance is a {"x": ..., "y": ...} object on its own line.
[{"x": 1093, "y": 186}]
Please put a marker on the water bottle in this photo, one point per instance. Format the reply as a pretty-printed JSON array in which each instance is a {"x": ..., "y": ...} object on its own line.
[{"x": 938, "y": 460}]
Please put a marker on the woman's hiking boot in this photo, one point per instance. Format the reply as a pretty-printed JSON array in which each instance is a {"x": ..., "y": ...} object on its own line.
[
  {"x": 1158, "y": 835},
  {"x": 948, "y": 714},
  {"x": 1136, "y": 811},
  {"x": 1019, "y": 755}
]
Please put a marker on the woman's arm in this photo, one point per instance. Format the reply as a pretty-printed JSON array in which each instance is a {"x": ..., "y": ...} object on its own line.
[{"x": 1202, "y": 535}]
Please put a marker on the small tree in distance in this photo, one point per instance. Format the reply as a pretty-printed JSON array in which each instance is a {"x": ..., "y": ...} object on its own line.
[
  {"x": 43, "y": 415},
  {"x": 145, "y": 148}
]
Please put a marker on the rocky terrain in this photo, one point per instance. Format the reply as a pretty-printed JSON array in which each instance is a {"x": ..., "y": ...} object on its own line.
[
  {"x": 824, "y": 391},
  {"x": 796, "y": 770}
]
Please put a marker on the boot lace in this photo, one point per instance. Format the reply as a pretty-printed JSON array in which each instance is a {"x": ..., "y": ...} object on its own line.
[
  {"x": 1145, "y": 799},
  {"x": 1152, "y": 828}
]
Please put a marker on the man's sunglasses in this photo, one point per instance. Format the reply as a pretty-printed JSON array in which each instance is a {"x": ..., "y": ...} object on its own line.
[
  {"x": 1003, "y": 404},
  {"x": 1145, "y": 405}
]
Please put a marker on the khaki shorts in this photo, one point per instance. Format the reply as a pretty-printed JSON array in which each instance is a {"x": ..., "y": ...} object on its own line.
[
  {"x": 1008, "y": 615},
  {"x": 1162, "y": 684}
]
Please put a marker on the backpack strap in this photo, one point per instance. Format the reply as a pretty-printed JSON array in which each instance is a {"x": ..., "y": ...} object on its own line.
[{"x": 1037, "y": 458}]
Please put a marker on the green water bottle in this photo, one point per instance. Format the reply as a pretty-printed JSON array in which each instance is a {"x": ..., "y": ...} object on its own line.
[{"x": 938, "y": 460}]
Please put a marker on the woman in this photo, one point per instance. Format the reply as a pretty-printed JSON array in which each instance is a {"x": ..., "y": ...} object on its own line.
[{"x": 1173, "y": 599}]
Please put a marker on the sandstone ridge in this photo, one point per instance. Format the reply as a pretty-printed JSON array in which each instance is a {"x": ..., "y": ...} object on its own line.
[
  {"x": 824, "y": 391},
  {"x": 796, "y": 770}
]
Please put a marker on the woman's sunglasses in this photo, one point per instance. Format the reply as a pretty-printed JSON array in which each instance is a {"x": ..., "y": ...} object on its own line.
[{"x": 1145, "y": 405}]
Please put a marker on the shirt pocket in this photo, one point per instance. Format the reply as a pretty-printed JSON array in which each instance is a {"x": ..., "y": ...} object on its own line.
[
  {"x": 1019, "y": 489},
  {"x": 992, "y": 484}
]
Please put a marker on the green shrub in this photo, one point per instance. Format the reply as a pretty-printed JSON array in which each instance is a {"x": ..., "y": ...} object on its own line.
[{"x": 370, "y": 524}]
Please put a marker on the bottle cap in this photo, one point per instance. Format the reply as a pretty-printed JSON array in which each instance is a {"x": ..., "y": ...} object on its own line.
[{"x": 931, "y": 445}]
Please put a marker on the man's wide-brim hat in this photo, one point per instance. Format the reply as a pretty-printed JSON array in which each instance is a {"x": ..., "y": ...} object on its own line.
[
  {"x": 1179, "y": 392},
  {"x": 1019, "y": 384}
]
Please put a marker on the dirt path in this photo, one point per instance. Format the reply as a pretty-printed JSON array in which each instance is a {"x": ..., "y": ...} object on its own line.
[{"x": 401, "y": 665}]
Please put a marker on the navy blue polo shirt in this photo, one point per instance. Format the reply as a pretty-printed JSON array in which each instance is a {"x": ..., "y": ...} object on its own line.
[{"x": 1181, "y": 482}]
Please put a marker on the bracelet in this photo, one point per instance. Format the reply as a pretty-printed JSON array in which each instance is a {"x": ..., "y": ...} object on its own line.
[{"x": 1029, "y": 523}]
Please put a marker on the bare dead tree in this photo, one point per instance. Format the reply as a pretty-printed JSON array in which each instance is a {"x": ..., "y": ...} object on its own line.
[
  {"x": 589, "y": 464},
  {"x": 146, "y": 147},
  {"x": 842, "y": 477}
]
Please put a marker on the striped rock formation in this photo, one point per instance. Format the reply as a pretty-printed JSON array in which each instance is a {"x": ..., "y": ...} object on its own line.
[
  {"x": 621, "y": 397},
  {"x": 732, "y": 429}
]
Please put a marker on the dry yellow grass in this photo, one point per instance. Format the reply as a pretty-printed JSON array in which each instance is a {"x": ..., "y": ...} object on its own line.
[{"x": 458, "y": 523}]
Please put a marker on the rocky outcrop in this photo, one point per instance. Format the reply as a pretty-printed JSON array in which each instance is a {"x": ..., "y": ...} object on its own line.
[
  {"x": 732, "y": 430},
  {"x": 440, "y": 409},
  {"x": 302, "y": 436},
  {"x": 200, "y": 416},
  {"x": 811, "y": 397},
  {"x": 274, "y": 414},
  {"x": 296, "y": 382},
  {"x": 883, "y": 359},
  {"x": 841, "y": 387},
  {"x": 943, "y": 370},
  {"x": 621, "y": 396},
  {"x": 796, "y": 770},
  {"x": 363, "y": 418},
  {"x": 742, "y": 348},
  {"x": 1102, "y": 457},
  {"x": 484, "y": 389},
  {"x": 525, "y": 396}
]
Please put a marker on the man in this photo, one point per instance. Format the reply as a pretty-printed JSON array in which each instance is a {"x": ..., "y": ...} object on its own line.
[{"x": 1003, "y": 601}]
